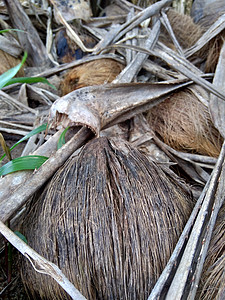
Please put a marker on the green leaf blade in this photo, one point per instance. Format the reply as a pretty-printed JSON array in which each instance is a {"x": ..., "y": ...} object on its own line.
[
  {"x": 5, "y": 77},
  {"x": 30, "y": 80},
  {"x": 61, "y": 140},
  {"x": 30, "y": 162},
  {"x": 30, "y": 134}
]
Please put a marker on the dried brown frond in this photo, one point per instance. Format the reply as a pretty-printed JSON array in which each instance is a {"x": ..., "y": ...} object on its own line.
[
  {"x": 110, "y": 219},
  {"x": 184, "y": 123},
  {"x": 213, "y": 276}
]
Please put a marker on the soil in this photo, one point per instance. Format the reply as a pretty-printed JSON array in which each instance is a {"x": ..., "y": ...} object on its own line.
[{"x": 13, "y": 290}]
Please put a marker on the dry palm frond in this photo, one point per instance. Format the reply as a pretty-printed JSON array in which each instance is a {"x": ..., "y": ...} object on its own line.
[{"x": 213, "y": 276}]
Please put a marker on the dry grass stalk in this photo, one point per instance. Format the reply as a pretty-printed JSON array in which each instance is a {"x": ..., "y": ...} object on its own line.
[
  {"x": 110, "y": 219},
  {"x": 213, "y": 277},
  {"x": 91, "y": 73},
  {"x": 184, "y": 124}
]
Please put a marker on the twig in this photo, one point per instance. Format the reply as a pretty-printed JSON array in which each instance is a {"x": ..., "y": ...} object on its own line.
[{"x": 16, "y": 103}]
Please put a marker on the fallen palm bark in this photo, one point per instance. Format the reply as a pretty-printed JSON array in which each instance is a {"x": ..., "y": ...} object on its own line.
[
  {"x": 99, "y": 107},
  {"x": 133, "y": 68},
  {"x": 184, "y": 264},
  {"x": 186, "y": 279},
  {"x": 40, "y": 264},
  {"x": 212, "y": 281},
  {"x": 216, "y": 105}
]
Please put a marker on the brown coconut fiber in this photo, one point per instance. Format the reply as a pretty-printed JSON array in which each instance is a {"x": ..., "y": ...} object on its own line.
[
  {"x": 212, "y": 285},
  {"x": 184, "y": 123},
  {"x": 96, "y": 72},
  {"x": 188, "y": 33},
  {"x": 185, "y": 30},
  {"x": 110, "y": 219}
]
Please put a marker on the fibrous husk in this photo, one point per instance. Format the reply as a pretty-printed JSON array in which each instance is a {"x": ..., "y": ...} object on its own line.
[
  {"x": 185, "y": 30},
  {"x": 212, "y": 285},
  {"x": 187, "y": 33},
  {"x": 184, "y": 123},
  {"x": 109, "y": 218},
  {"x": 96, "y": 72}
]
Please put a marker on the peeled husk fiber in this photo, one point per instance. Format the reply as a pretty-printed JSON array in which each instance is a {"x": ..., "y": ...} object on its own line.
[
  {"x": 184, "y": 123},
  {"x": 212, "y": 285},
  {"x": 95, "y": 72},
  {"x": 110, "y": 219}
]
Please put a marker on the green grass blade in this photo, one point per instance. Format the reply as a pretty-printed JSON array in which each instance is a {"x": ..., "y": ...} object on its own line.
[
  {"x": 30, "y": 134},
  {"x": 5, "y": 147},
  {"x": 29, "y": 80},
  {"x": 10, "y": 29},
  {"x": 5, "y": 77},
  {"x": 61, "y": 140},
  {"x": 30, "y": 162}
]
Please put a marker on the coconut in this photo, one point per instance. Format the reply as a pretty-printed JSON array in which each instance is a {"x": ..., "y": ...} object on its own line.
[
  {"x": 95, "y": 72},
  {"x": 188, "y": 33},
  {"x": 184, "y": 123},
  {"x": 212, "y": 285},
  {"x": 110, "y": 219}
]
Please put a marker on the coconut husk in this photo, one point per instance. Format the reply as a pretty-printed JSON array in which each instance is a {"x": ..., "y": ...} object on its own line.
[
  {"x": 184, "y": 123},
  {"x": 110, "y": 219},
  {"x": 187, "y": 33},
  {"x": 91, "y": 73},
  {"x": 212, "y": 285}
]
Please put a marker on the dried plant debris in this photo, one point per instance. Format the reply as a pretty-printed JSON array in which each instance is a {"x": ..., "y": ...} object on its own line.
[
  {"x": 185, "y": 30},
  {"x": 96, "y": 72},
  {"x": 188, "y": 33},
  {"x": 206, "y": 12},
  {"x": 67, "y": 50},
  {"x": 212, "y": 284},
  {"x": 109, "y": 218},
  {"x": 184, "y": 123},
  {"x": 72, "y": 9}
]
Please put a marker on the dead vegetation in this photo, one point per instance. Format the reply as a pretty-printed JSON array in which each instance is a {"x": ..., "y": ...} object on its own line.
[{"x": 111, "y": 216}]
